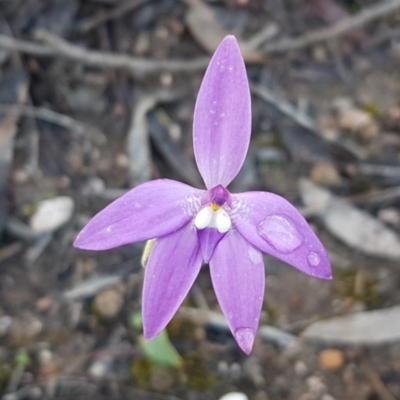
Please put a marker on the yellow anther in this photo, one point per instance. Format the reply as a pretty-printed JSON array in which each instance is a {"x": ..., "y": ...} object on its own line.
[{"x": 214, "y": 207}]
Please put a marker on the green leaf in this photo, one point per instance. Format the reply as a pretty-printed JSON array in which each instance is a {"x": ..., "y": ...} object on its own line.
[
  {"x": 22, "y": 358},
  {"x": 160, "y": 350},
  {"x": 136, "y": 320}
]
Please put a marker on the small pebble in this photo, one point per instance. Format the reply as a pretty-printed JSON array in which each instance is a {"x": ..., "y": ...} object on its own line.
[
  {"x": 296, "y": 303},
  {"x": 175, "y": 131},
  {"x": 316, "y": 385},
  {"x": 319, "y": 53},
  {"x": 234, "y": 396},
  {"x": 393, "y": 117},
  {"x": 161, "y": 379},
  {"x": 119, "y": 111},
  {"x": 44, "y": 303},
  {"x": 86, "y": 267},
  {"x": 389, "y": 215},
  {"x": 358, "y": 122},
  {"x": 253, "y": 370},
  {"x": 261, "y": 395},
  {"x": 271, "y": 155},
  {"x": 32, "y": 393},
  {"x": 300, "y": 368},
  {"x": 325, "y": 174},
  {"x": 99, "y": 368},
  {"x": 20, "y": 176},
  {"x": 236, "y": 371},
  {"x": 223, "y": 369},
  {"x": 327, "y": 397},
  {"x": 309, "y": 396},
  {"x": 109, "y": 303},
  {"x": 331, "y": 359},
  {"x": 45, "y": 356},
  {"x": 142, "y": 44},
  {"x": 122, "y": 160},
  {"x": 341, "y": 104},
  {"x": 25, "y": 326},
  {"x": 94, "y": 185},
  {"x": 166, "y": 79},
  {"x": 51, "y": 214},
  {"x": 5, "y": 323}
]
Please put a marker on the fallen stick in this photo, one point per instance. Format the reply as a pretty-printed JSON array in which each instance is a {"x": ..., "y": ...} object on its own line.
[
  {"x": 54, "y": 46},
  {"x": 283, "y": 106},
  {"x": 104, "y": 16},
  {"x": 370, "y": 14},
  {"x": 53, "y": 117}
]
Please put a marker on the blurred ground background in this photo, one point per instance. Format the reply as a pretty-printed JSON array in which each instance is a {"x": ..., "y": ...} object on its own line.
[{"x": 97, "y": 96}]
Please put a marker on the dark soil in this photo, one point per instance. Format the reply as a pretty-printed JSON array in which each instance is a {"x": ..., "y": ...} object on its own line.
[{"x": 58, "y": 343}]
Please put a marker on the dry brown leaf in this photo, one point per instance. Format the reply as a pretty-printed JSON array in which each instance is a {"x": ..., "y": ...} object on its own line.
[
  {"x": 204, "y": 26},
  {"x": 353, "y": 226}
]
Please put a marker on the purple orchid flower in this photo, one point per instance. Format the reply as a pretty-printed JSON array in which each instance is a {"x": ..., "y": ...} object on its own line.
[{"x": 192, "y": 226}]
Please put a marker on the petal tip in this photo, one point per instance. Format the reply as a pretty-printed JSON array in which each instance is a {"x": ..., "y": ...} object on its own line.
[
  {"x": 79, "y": 243},
  {"x": 150, "y": 334},
  {"x": 324, "y": 272},
  {"x": 328, "y": 275},
  {"x": 82, "y": 242},
  {"x": 245, "y": 339},
  {"x": 152, "y": 324},
  {"x": 229, "y": 38},
  {"x": 230, "y": 44}
]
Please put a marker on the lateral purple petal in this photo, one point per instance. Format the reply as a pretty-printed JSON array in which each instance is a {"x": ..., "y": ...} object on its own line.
[
  {"x": 276, "y": 227},
  {"x": 173, "y": 266},
  {"x": 222, "y": 116},
  {"x": 238, "y": 277},
  {"x": 148, "y": 211}
]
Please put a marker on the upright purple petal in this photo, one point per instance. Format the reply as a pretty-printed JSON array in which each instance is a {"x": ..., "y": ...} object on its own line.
[
  {"x": 173, "y": 266},
  {"x": 274, "y": 226},
  {"x": 222, "y": 116},
  {"x": 148, "y": 211},
  {"x": 238, "y": 276}
]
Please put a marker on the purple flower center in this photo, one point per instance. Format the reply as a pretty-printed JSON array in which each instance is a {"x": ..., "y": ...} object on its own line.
[
  {"x": 217, "y": 197},
  {"x": 212, "y": 221}
]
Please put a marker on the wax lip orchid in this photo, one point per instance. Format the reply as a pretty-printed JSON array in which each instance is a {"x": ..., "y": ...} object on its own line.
[{"x": 228, "y": 231}]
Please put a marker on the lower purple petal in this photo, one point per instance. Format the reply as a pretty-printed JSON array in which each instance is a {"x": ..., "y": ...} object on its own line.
[
  {"x": 148, "y": 211},
  {"x": 238, "y": 276},
  {"x": 209, "y": 238},
  {"x": 276, "y": 227},
  {"x": 174, "y": 264}
]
